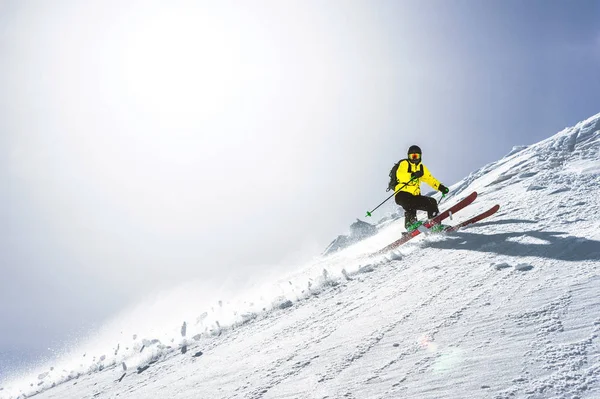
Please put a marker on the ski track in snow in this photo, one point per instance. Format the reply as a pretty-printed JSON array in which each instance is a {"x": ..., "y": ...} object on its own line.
[{"x": 507, "y": 308}]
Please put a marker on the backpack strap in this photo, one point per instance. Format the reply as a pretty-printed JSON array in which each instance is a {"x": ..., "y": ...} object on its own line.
[{"x": 409, "y": 168}]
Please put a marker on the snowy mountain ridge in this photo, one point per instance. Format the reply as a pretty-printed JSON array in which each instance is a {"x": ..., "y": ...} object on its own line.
[{"x": 506, "y": 308}]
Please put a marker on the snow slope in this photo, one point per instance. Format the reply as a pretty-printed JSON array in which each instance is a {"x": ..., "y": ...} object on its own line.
[{"x": 506, "y": 308}]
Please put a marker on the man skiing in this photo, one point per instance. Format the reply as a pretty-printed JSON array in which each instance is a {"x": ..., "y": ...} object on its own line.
[{"x": 409, "y": 174}]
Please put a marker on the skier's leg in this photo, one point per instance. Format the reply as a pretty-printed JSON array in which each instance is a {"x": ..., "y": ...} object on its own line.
[
  {"x": 406, "y": 201},
  {"x": 410, "y": 218},
  {"x": 428, "y": 204},
  {"x": 432, "y": 211},
  {"x": 421, "y": 203},
  {"x": 432, "y": 207}
]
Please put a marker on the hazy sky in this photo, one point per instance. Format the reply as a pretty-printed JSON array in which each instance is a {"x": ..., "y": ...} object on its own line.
[{"x": 143, "y": 143}]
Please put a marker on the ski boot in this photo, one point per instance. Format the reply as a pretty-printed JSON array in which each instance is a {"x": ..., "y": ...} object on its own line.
[
  {"x": 438, "y": 228},
  {"x": 412, "y": 227}
]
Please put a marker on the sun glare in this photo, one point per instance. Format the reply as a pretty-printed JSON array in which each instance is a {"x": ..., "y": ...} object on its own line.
[{"x": 180, "y": 67}]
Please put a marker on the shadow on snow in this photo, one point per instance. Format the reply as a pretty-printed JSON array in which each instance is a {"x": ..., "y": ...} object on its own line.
[
  {"x": 506, "y": 221},
  {"x": 556, "y": 246}
]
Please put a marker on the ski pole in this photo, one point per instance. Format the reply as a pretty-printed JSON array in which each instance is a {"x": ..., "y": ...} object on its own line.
[
  {"x": 395, "y": 192},
  {"x": 441, "y": 199}
]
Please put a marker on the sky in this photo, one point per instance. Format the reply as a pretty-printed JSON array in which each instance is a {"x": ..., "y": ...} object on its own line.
[{"x": 147, "y": 143}]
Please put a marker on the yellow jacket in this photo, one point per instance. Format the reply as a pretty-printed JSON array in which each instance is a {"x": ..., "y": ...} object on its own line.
[{"x": 414, "y": 187}]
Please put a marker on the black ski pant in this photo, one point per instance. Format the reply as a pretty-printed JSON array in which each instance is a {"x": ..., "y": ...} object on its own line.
[{"x": 413, "y": 203}]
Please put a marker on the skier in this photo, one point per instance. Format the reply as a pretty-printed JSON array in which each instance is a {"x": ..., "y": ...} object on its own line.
[{"x": 409, "y": 174}]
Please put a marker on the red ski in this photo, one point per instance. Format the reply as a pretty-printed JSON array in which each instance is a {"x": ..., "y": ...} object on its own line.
[
  {"x": 436, "y": 220},
  {"x": 474, "y": 219}
]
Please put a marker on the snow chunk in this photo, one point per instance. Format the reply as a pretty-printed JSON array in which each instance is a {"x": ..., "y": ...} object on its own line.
[
  {"x": 500, "y": 266},
  {"x": 523, "y": 267},
  {"x": 285, "y": 304},
  {"x": 535, "y": 187},
  {"x": 516, "y": 149},
  {"x": 366, "y": 269}
]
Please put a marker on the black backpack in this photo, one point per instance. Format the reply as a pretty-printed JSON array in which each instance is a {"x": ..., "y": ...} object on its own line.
[{"x": 393, "y": 180}]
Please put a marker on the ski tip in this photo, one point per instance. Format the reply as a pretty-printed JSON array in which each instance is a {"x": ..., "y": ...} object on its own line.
[{"x": 472, "y": 196}]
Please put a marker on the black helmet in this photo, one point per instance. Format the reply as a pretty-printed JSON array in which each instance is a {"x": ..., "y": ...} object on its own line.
[
  {"x": 414, "y": 149},
  {"x": 412, "y": 158}
]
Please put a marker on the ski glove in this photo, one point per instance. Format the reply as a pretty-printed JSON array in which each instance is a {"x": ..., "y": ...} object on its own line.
[
  {"x": 443, "y": 189},
  {"x": 416, "y": 175}
]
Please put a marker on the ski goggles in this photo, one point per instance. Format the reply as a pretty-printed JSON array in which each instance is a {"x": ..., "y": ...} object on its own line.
[{"x": 414, "y": 156}]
